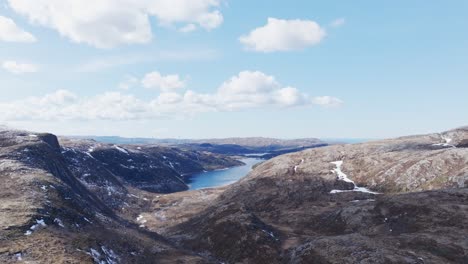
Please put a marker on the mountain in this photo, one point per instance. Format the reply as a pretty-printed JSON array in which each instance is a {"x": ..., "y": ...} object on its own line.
[
  {"x": 400, "y": 200},
  {"x": 267, "y": 147},
  {"x": 147, "y": 167},
  {"x": 392, "y": 201},
  {"x": 74, "y": 201}
]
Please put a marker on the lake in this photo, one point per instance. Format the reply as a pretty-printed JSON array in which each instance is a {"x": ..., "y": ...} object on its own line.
[{"x": 222, "y": 177}]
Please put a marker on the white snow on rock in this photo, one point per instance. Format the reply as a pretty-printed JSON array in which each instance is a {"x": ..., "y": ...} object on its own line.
[
  {"x": 39, "y": 223},
  {"x": 108, "y": 256},
  {"x": 297, "y": 166},
  {"x": 172, "y": 165},
  {"x": 59, "y": 222},
  {"x": 446, "y": 142},
  {"x": 343, "y": 177},
  {"x": 95, "y": 255},
  {"x": 141, "y": 220},
  {"x": 121, "y": 149}
]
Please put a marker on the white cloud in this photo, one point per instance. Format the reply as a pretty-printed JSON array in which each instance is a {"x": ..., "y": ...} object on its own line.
[
  {"x": 327, "y": 101},
  {"x": 19, "y": 68},
  {"x": 108, "y": 23},
  {"x": 165, "y": 83},
  {"x": 198, "y": 12},
  {"x": 252, "y": 89},
  {"x": 338, "y": 22},
  {"x": 10, "y": 32},
  {"x": 247, "y": 90},
  {"x": 283, "y": 35}
]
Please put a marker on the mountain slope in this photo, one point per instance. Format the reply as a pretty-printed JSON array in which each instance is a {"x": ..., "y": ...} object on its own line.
[
  {"x": 401, "y": 200},
  {"x": 376, "y": 202},
  {"x": 67, "y": 204}
]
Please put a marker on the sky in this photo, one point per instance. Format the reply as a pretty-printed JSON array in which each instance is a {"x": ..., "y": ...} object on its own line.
[{"x": 234, "y": 68}]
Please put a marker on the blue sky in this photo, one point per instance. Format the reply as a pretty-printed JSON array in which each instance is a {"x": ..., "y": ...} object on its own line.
[{"x": 357, "y": 69}]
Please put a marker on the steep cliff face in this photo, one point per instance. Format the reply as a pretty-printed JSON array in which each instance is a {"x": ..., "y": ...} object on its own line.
[
  {"x": 151, "y": 168},
  {"x": 377, "y": 202}
]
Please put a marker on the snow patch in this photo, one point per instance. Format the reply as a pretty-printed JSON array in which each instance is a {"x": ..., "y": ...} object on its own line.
[
  {"x": 343, "y": 177},
  {"x": 295, "y": 167},
  {"x": 110, "y": 255},
  {"x": 89, "y": 154},
  {"x": 59, "y": 222},
  {"x": 445, "y": 142},
  {"x": 39, "y": 224},
  {"x": 121, "y": 149},
  {"x": 141, "y": 220}
]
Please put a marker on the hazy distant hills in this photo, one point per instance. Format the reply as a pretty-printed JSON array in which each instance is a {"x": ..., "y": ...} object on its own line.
[
  {"x": 242, "y": 141},
  {"x": 268, "y": 147}
]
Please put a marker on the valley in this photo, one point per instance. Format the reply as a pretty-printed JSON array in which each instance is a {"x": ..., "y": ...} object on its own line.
[{"x": 68, "y": 200}]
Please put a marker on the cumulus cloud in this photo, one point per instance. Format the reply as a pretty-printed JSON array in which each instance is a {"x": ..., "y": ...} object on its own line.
[
  {"x": 164, "y": 83},
  {"x": 197, "y": 12},
  {"x": 247, "y": 90},
  {"x": 19, "y": 68},
  {"x": 283, "y": 35},
  {"x": 108, "y": 23},
  {"x": 10, "y": 32},
  {"x": 251, "y": 89}
]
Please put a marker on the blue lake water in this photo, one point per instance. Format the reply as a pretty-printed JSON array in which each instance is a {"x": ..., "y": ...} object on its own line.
[{"x": 221, "y": 177}]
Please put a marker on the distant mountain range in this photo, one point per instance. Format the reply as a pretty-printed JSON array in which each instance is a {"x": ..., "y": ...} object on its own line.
[
  {"x": 268, "y": 147},
  {"x": 242, "y": 141}
]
